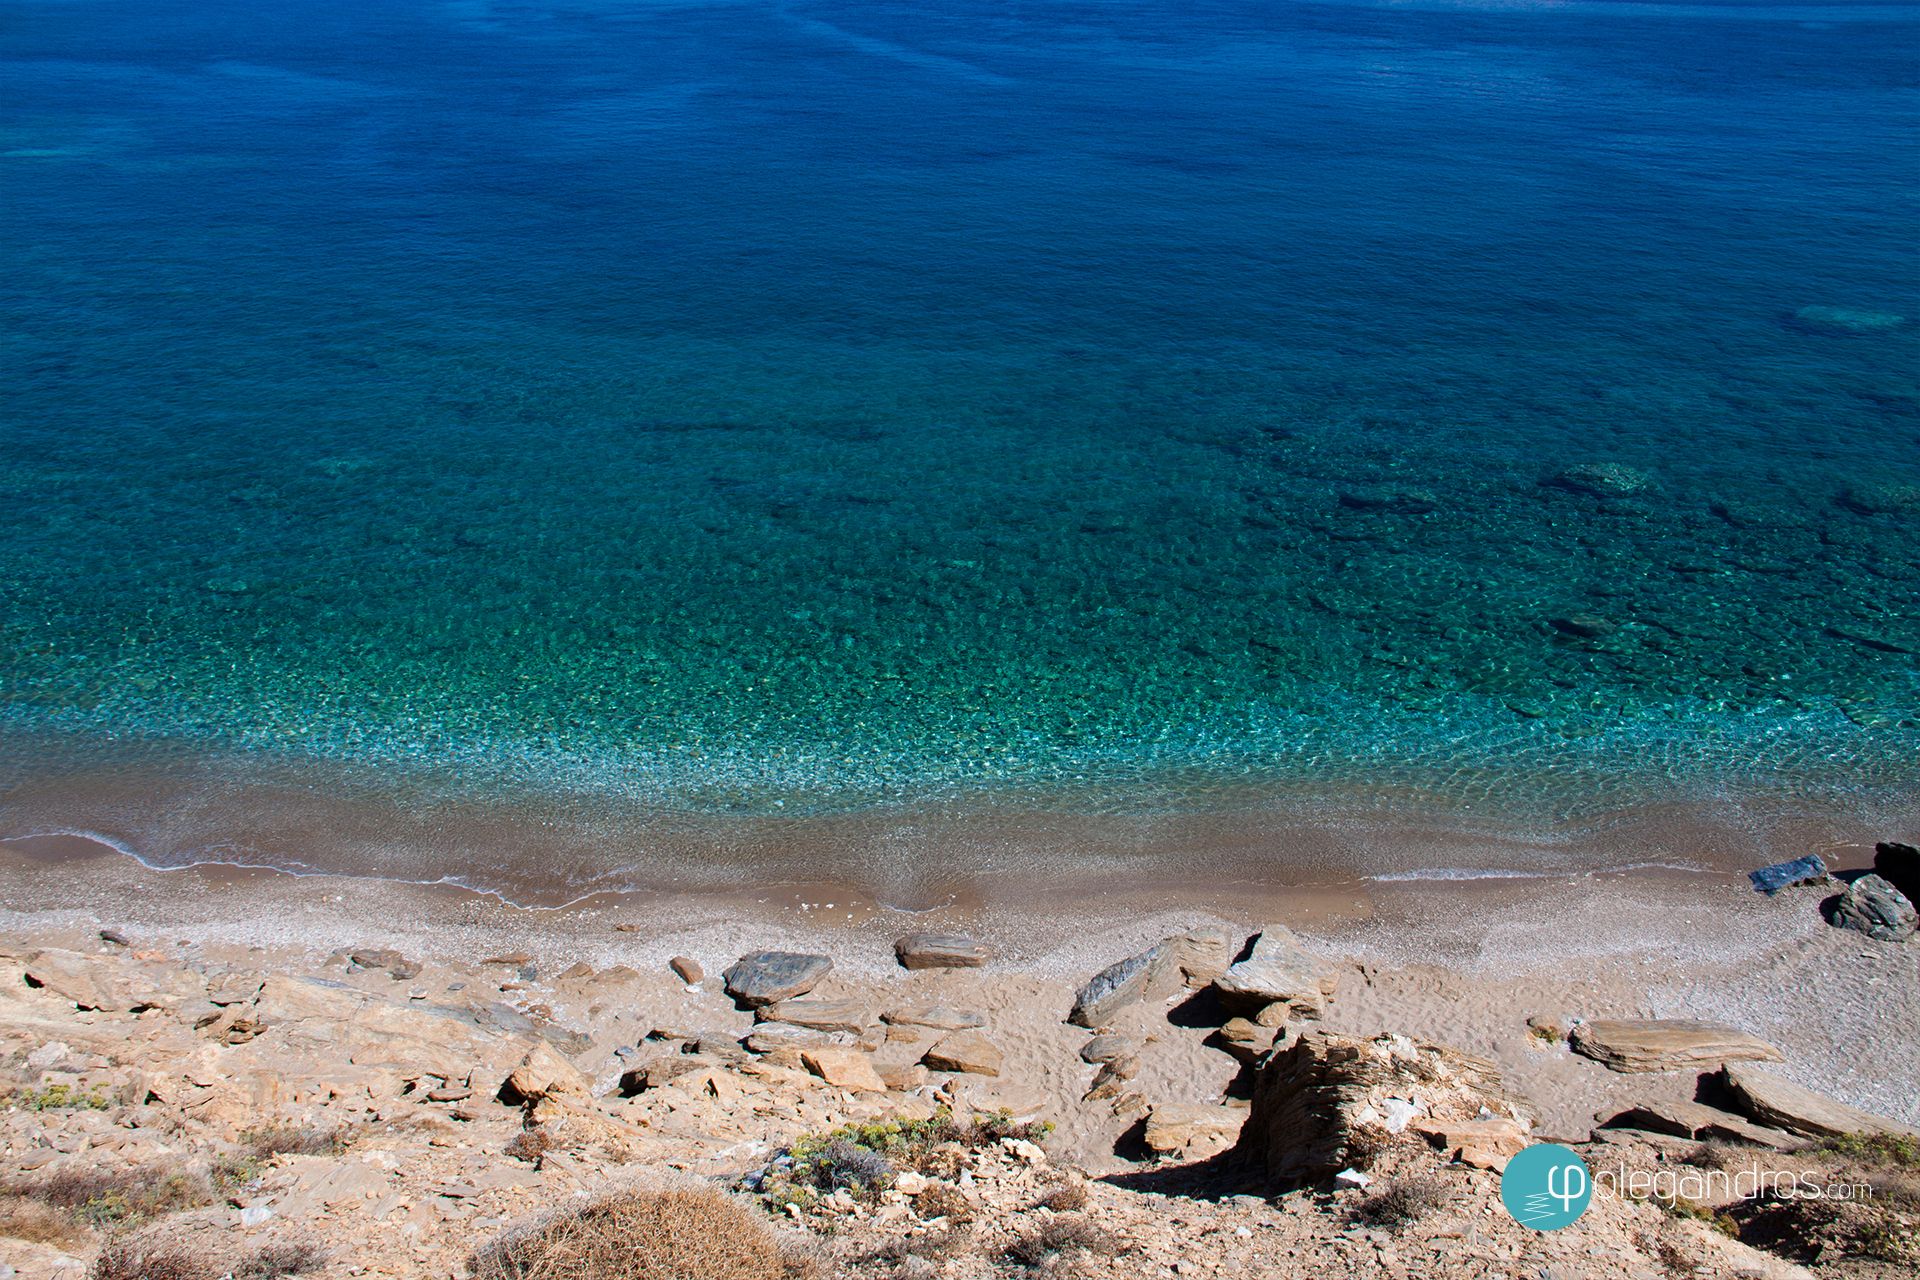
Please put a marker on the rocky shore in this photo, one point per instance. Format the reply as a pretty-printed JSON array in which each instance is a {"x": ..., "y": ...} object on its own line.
[{"x": 1219, "y": 1099}]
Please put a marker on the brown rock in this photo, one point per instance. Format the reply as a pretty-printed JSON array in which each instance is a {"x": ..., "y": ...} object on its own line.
[
  {"x": 396, "y": 965},
  {"x": 844, "y": 1069},
  {"x": 940, "y": 951},
  {"x": 1785, "y": 1105},
  {"x": 688, "y": 970},
  {"x": 512, "y": 959},
  {"x": 1243, "y": 1039},
  {"x": 1666, "y": 1044},
  {"x": 540, "y": 1073},
  {"x": 1700, "y": 1122},
  {"x": 901, "y": 1077},
  {"x": 965, "y": 1051},
  {"x": 1191, "y": 1129},
  {"x": 1107, "y": 1048}
]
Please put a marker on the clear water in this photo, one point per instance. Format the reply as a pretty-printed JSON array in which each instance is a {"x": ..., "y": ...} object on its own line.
[{"x": 761, "y": 407}]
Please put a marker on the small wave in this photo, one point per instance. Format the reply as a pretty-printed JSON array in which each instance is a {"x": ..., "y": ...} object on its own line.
[{"x": 1526, "y": 873}]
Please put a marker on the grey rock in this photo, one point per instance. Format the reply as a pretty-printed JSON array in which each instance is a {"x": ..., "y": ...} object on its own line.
[
  {"x": 1877, "y": 909},
  {"x": 763, "y": 977},
  {"x": 819, "y": 1015},
  {"x": 1193, "y": 959},
  {"x": 1107, "y": 1048},
  {"x": 1278, "y": 971},
  {"x": 938, "y": 1016},
  {"x": 1782, "y": 875},
  {"x": 1782, "y": 1104}
]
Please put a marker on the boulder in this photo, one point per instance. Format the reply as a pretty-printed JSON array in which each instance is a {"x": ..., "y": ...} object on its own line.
[
  {"x": 764, "y": 977},
  {"x": 938, "y": 1016},
  {"x": 965, "y": 1051},
  {"x": 1874, "y": 907},
  {"x": 770, "y": 1037},
  {"x": 1782, "y": 1104},
  {"x": 1107, "y": 1048},
  {"x": 1190, "y": 959},
  {"x": 1899, "y": 865},
  {"x": 541, "y": 1072},
  {"x": 1698, "y": 1121},
  {"x": 1782, "y": 875},
  {"x": 940, "y": 951},
  {"x": 1278, "y": 971},
  {"x": 1324, "y": 1098},
  {"x": 844, "y": 1069},
  {"x": 688, "y": 970},
  {"x": 1192, "y": 1129},
  {"x": 819, "y": 1015},
  {"x": 1666, "y": 1044}
]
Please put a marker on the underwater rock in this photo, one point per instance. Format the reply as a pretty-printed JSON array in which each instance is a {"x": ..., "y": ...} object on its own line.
[
  {"x": 1781, "y": 875},
  {"x": 1392, "y": 499},
  {"x": 1843, "y": 320},
  {"x": 1603, "y": 480},
  {"x": 1882, "y": 499}
]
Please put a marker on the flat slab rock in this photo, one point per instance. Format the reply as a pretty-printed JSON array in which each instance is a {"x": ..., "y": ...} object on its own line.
[
  {"x": 1667, "y": 1044},
  {"x": 1699, "y": 1122},
  {"x": 764, "y": 977},
  {"x": 847, "y": 1069},
  {"x": 1785, "y": 1105},
  {"x": 941, "y": 951},
  {"x": 1784, "y": 875},
  {"x": 965, "y": 1051},
  {"x": 819, "y": 1015},
  {"x": 938, "y": 1016}
]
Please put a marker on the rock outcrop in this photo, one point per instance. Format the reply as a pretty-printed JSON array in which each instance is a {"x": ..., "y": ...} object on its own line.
[
  {"x": 1667, "y": 1044},
  {"x": 965, "y": 1051},
  {"x": 1321, "y": 1102}
]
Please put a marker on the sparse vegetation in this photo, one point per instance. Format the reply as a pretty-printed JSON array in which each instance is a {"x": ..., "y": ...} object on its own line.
[
  {"x": 1898, "y": 1150},
  {"x": 36, "y": 1222},
  {"x": 1064, "y": 1197},
  {"x": 273, "y": 1261},
  {"x": 100, "y": 1198},
  {"x": 298, "y": 1140},
  {"x": 133, "y": 1260},
  {"x": 639, "y": 1235}
]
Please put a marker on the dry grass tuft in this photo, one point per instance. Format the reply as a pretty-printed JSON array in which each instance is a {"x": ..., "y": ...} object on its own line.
[
  {"x": 1067, "y": 1197},
  {"x": 530, "y": 1145},
  {"x": 1064, "y": 1235},
  {"x": 132, "y": 1260},
  {"x": 105, "y": 1197},
  {"x": 273, "y": 1261},
  {"x": 36, "y": 1222},
  {"x": 294, "y": 1140},
  {"x": 639, "y": 1235},
  {"x": 1405, "y": 1200}
]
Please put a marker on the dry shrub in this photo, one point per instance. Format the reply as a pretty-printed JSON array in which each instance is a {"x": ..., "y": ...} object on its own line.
[
  {"x": 294, "y": 1140},
  {"x": 530, "y": 1145},
  {"x": 944, "y": 1200},
  {"x": 1067, "y": 1197},
  {"x": 639, "y": 1235},
  {"x": 1406, "y": 1199},
  {"x": 103, "y": 1197},
  {"x": 133, "y": 1260},
  {"x": 271, "y": 1262},
  {"x": 1037, "y": 1245},
  {"x": 37, "y": 1222}
]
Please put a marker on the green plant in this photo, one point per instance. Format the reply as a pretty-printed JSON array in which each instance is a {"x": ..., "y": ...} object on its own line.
[
  {"x": 1898, "y": 1149},
  {"x": 64, "y": 1097}
]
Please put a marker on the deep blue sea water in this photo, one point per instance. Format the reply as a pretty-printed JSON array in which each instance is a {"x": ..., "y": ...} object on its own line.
[{"x": 746, "y": 406}]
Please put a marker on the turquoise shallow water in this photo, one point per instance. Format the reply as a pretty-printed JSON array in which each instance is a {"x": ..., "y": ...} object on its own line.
[{"x": 784, "y": 407}]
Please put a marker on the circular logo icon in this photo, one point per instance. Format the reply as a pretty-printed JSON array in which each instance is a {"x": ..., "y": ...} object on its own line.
[{"x": 1546, "y": 1187}]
